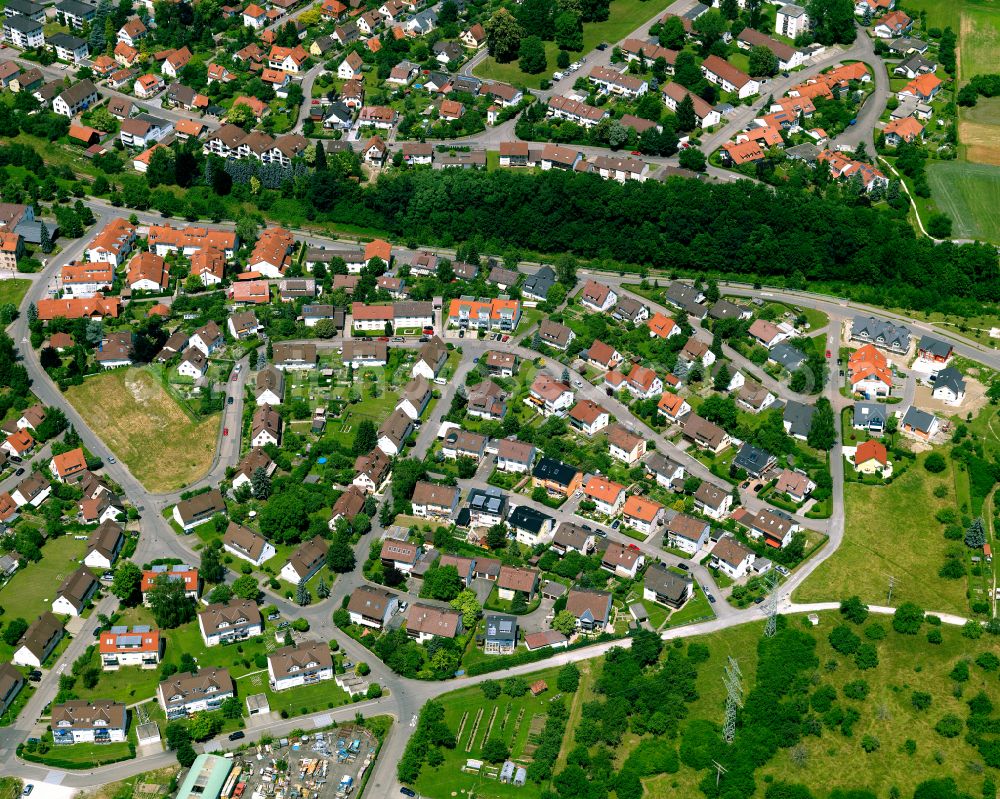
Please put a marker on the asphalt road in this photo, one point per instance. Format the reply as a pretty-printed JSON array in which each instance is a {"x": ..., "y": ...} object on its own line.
[{"x": 405, "y": 696}]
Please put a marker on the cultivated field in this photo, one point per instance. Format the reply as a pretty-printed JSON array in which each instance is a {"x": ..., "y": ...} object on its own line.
[
  {"x": 145, "y": 427},
  {"x": 891, "y": 530},
  {"x": 979, "y": 40},
  {"x": 969, "y": 194}
]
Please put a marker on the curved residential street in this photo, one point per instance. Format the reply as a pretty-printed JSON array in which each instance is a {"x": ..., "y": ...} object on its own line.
[{"x": 404, "y": 696}]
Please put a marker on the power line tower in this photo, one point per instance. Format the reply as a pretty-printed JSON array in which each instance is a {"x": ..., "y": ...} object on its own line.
[
  {"x": 719, "y": 771},
  {"x": 771, "y": 608},
  {"x": 733, "y": 680},
  {"x": 892, "y": 584}
]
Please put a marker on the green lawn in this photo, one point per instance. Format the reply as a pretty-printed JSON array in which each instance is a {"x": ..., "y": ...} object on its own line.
[
  {"x": 13, "y": 290},
  {"x": 296, "y": 701},
  {"x": 30, "y": 592},
  {"x": 697, "y": 608},
  {"x": 891, "y": 530},
  {"x": 625, "y": 17},
  {"x": 970, "y": 195},
  {"x": 511, "y": 723},
  {"x": 79, "y": 756},
  {"x": 377, "y": 410}
]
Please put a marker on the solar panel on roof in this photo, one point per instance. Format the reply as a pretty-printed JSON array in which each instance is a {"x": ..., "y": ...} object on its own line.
[
  {"x": 142, "y": 628},
  {"x": 118, "y": 630},
  {"x": 159, "y": 569},
  {"x": 129, "y": 640}
]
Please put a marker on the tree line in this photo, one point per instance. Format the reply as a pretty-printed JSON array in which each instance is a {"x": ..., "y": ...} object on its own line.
[{"x": 747, "y": 231}]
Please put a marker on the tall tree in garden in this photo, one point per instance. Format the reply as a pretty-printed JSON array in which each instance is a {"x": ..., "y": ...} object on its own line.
[
  {"x": 320, "y": 161},
  {"x": 536, "y": 17},
  {"x": 302, "y": 594},
  {"x": 672, "y": 33},
  {"x": 32, "y": 308},
  {"x": 531, "y": 55},
  {"x": 822, "y": 432},
  {"x": 686, "y": 118},
  {"x": 212, "y": 570},
  {"x": 503, "y": 36},
  {"x": 975, "y": 535},
  {"x": 45, "y": 239},
  {"x": 260, "y": 483},
  {"x": 762, "y": 62}
]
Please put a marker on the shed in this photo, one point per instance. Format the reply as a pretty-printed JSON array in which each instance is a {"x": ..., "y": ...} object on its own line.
[
  {"x": 539, "y": 687},
  {"x": 521, "y": 776},
  {"x": 257, "y": 703},
  {"x": 638, "y": 612},
  {"x": 507, "y": 772},
  {"x": 553, "y": 590},
  {"x": 148, "y": 733}
]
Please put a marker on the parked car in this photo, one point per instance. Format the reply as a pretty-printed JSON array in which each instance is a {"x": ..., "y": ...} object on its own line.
[
  {"x": 225, "y": 431},
  {"x": 19, "y": 472},
  {"x": 235, "y": 736},
  {"x": 229, "y": 401},
  {"x": 683, "y": 566},
  {"x": 111, "y": 459},
  {"x": 782, "y": 571},
  {"x": 30, "y": 787},
  {"x": 616, "y": 524},
  {"x": 404, "y": 790},
  {"x": 602, "y": 46},
  {"x": 711, "y": 598}
]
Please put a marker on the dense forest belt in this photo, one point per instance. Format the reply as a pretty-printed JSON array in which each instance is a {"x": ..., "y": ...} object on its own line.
[{"x": 738, "y": 229}]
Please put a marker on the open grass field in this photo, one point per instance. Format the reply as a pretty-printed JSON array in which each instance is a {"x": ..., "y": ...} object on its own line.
[
  {"x": 13, "y": 290},
  {"x": 145, "y": 427},
  {"x": 834, "y": 761},
  {"x": 827, "y": 762},
  {"x": 505, "y": 718},
  {"x": 979, "y": 39},
  {"x": 626, "y": 16},
  {"x": 969, "y": 194},
  {"x": 891, "y": 530},
  {"x": 30, "y": 592}
]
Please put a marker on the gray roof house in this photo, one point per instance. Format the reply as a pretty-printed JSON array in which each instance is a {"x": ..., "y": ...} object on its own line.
[
  {"x": 536, "y": 286},
  {"x": 756, "y": 461},
  {"x": 870, "y": 416},
  {"x": 798, "y": 418},
  {"x": 881, "y": 333},
  {"x": 786, "y": 356}
]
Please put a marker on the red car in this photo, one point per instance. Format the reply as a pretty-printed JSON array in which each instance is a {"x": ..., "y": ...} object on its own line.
[
  {"x": 225, "y": 431},
  {"x": 828, "y": 353},
  {"x": 636, "y": 152},
  {"x": 383, "y": 338}
]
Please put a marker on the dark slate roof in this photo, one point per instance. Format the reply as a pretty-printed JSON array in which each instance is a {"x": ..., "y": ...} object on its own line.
[
  {"x": 751, "y": 458},
  {"x": 501, "y": 628},
  {"x": 918, "y": 419},
  {"x": 556, "y": 471},
  {"x": 799, "y": 417},
  {"x": 866, "y": 412},
  {"x": 950, "y": 378},
  {"x": 936, "y": 347},
  {"x": 526, "y": 518},
  {"x": 787, "y": 356},
  {"x": 538, "y": 284}
]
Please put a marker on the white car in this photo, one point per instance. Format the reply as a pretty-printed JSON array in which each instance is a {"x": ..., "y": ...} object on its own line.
[{"x": 557, "y": 76}]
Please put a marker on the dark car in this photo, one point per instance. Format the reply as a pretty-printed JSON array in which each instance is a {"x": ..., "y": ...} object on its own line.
[
  {"x": 602, "y": 46},
  {"x": 711, "y": 598},
  {"x": 407, "y": 791},
  {"x": 235, "y": 736},
  {"x": 758, "y": 600},
  {"x": 683, "y": 566},
  {"x": 19, "y": 472},
  {"x": 229, "y": 401}
]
